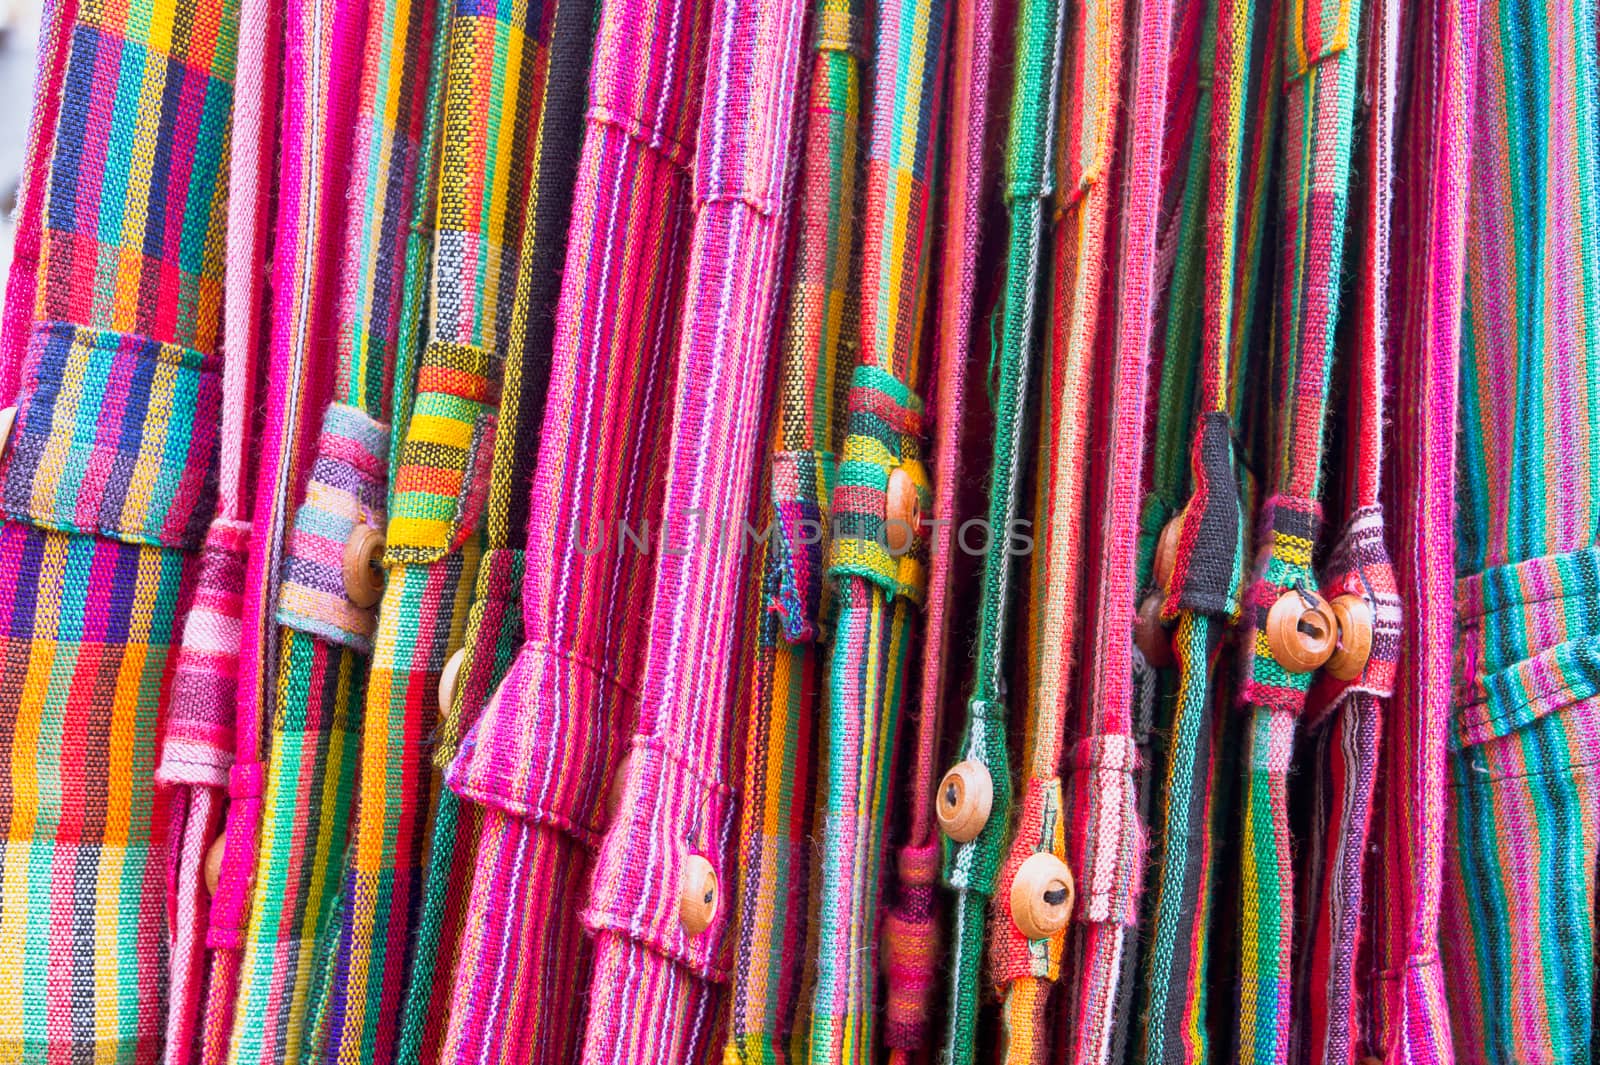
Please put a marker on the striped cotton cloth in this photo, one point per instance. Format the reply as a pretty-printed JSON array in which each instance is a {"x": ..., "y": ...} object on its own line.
[
  {"x": 1105, "y": 847},
  {"x": 1076, "y": 355},
  {"x": 1522, "y": 842},
  {"x": 781, "y": 687},
  {"x": 911, "y": 935},
  {"x": 878, "y": 592},
  {"x": 437, "y": 504},
  {"x": 540, "y": 759},
  {"x": 1408, "y": 1022},
  {"x": 109, "y": 484},
  {"x": 1320, "y": 71},
  {"x": 1344, "y": 719},
  {"x": 339, "y": 273},
  {"x": 494, "y": 622},
  {"x": 972, "y": 868},
  {"x": 653, "y": 996}
]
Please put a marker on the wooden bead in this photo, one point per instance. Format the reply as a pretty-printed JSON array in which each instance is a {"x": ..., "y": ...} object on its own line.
[
  {"x": 1041, "y": 896},
  {"x": 966, "y": 795},
  {"x": 1353, "y": 617},
  {"x": 1167, "y": 551},
  {"x": 213, "y": 864},
  {"x": 619, "y": 785},
  {"x": 902, "y": 512},
  {"x": 1301, "y": 632},
  {"x": 697, "y": 895},
  {"x": 449, "y": 677},
  {"x": 363, "y": 566},
  {"x": 8, "y": 418},
  {"x": 1151, "y": 636}
]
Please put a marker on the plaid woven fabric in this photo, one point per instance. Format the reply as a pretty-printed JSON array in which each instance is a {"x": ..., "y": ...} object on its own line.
[
  {"x": 783, "y": 673},
  {"x": 1409, "y": 1021},
  {"x": 877, "y": 591},
  {"x": 1076, "y": 355},
  {"x": 911, "y": 937},
  {"x": 540, "y": 758},
  {"x": 652, "y": 997},
  {"x": 972, "y": 868},
  {"x": 1518, "y": 933},
  {"x": 109, "y": 485},
  {"x": 56, "y": 19},
  {"x": 494, "y": 622}
]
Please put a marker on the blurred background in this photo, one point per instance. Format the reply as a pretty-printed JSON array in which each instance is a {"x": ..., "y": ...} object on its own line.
[{"x": 19, "y": 38}]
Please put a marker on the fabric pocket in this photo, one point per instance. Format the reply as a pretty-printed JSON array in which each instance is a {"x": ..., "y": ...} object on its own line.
[
  {"x": 1528, "y": 645},
  {"x": 116, "y": 435},
  {"x": 442, "y": 484}
]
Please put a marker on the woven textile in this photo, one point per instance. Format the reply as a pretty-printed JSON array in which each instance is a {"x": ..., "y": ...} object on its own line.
[
  {"x": 1077, "y": 353},
  {"x": 56, "y": 20},
  {"x": 877, "y": 590},
  {"x": 972, "y": 868},
  {"x": 1519, "y": 914},
  {"x": 1345, "y": 719},
  {"x": 1320, "y": 68},
  {"x": 782, "y": 685},
  {"x": 1105, "y": 848},
  {"x": 439, "y": 497},
  {"x": 494, "y": 622},
  {"x": 540, "y": 758},
  {"x": 109, "y": 485},
  {"x": 1409, "y": 1022},
  {"x": 652, "y": 997},
  {"x": 911, "y": 937},
  {"x": 339, "y": 274}
]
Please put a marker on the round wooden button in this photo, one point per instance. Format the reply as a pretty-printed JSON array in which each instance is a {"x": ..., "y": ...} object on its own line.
[
  {"x": 8, "y": 418},
  {"x": 1151, "y": 636},
  {"x": 1301, "y": 632},
  {"x": 697, "y": 895},
  {"x": 363, "y": 566},
  {"x": 449, "y": 676},
  {"x": 1041, "y": 896},
  {"x": 1353, "y": 617},
  {"x": 966, "y": 795},
  {"x": 902, "y": 513},
  {"x": 213, "y": 864},
  {"x": 619, "y": 785},
  {"x": 1167, "y": 551}
]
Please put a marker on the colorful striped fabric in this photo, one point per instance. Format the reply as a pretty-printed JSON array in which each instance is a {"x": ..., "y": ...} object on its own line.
[
  {"x": 540, "y": 759},
  {"x": 1320, "y": 69},
  {"x": 339, "y": 275},
  {"x": 438, "y": 499},
  {"x": 56, "y": 20},
  {"x": 972, "y": 868},
  {"x": 877, "y": 591},
  {"x": 1105, "y": 846},
  {"x": 782, "y": 684},
  {"x": 1344, "y": 719},
  {"x": 1078, "y": 353},
  {"x": 911, "y": 936},
  {"x": 1409, "y": 1022},
  {"x": 1522, "y": 845},
  {"x": 653, "y": 994},
  {"x": 494, "y": 622},
  {"x": 109, "y": 485}
]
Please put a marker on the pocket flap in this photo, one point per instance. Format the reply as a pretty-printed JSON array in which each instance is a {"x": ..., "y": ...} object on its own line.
[
  {"x": 115, "y": 435},
  {"x": 1528, "y": 643},
  {"x": 442, "y": 483}
]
